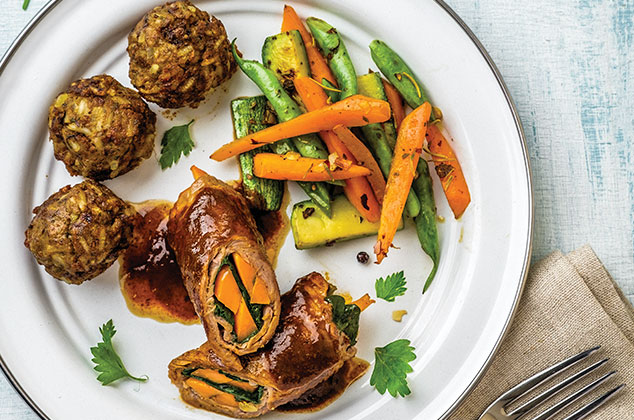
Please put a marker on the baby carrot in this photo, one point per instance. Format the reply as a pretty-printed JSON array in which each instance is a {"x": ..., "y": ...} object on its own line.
[
  {"x": 364, "y": 157},
  {"x": 363, "y": 302},
  {"x": 358, "y": 190},
  {"x": 396, "y": 103},
  {"x": 409, "y": 145},
  {"x": 354, "y": 111},
  {"x": 449, "y": 171},
  {"x": 197, "y": 172},
  {"x": 293, "y": 167},
  {"x": 318, "y": 66}
]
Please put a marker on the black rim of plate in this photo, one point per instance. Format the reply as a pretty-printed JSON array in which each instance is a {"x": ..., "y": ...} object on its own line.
[{"x": 520, "y": 132}]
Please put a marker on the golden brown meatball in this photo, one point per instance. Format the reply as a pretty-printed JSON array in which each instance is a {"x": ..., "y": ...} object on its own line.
[
  {"x": 177, "y": 55},
  {"x": 79, "y": 231},
  {"x": 101, "y": 129}
]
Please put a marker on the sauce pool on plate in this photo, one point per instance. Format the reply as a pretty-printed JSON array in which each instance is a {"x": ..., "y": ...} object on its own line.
[{"x": 149, "y": 276}]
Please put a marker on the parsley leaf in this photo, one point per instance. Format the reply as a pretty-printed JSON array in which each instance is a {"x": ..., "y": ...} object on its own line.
[
  {"x": 391, "y": 368},
  {"x": 176, "y": 141},
  {"x": 107, "y": 360},
  {"x": 391, "y": 287}
]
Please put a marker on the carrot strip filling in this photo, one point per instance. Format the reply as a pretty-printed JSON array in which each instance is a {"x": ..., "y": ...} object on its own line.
[
  {"x": 226, "y": 289},
  {"x": 244, "y": 324},
  {"x": 245, "y": 271},
  {"x": 223, "y": 388}
]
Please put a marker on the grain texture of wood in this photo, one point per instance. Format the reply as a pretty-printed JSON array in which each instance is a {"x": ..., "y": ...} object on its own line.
[{"x": 570, "y": 69}]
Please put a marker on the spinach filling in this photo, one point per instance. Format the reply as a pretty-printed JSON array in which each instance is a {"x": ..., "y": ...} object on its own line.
[
  {"x": 345, "y": 317},
  {"x": 239, "y": 393},
  {"x": 254, "y": 309},
  {"x": 224, "y": 312}
]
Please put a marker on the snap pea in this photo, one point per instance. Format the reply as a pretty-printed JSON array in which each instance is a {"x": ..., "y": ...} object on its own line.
[
  {"x": 333, "y": 92},
  {"x": 399, "y": 74},
  {"x": 404, "y": 80},
  {"x": 287, "y": 109},
  {"x": 426, "y": 220},
  {"x": 333, "y": 48}
]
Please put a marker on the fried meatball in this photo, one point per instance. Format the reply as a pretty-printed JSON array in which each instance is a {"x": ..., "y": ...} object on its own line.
[
  {"x": 79, "y": 231},
  {"x": 101, "y": 129},
  {"x": 177, "y": 55}
]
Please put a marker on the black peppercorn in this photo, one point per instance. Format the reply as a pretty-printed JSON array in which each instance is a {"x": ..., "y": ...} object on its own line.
[{"x": 363, "y": 257}]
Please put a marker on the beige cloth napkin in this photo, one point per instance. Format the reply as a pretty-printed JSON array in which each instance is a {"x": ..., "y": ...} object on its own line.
[{"x": 570, "y": 303}]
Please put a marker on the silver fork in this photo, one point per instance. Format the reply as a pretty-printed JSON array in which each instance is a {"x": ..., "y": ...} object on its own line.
[{"x": 498, "y": 409}]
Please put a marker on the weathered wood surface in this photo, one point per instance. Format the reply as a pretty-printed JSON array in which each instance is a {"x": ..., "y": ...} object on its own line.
[{"x": 570, "y": 68}]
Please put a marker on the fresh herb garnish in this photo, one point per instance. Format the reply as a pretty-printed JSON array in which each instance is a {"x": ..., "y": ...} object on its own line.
[
  {"x": 345, "y": 317},
  {"x": 25, "y": 4},
  {"x": 176, "y": 142},
  {"x": 107, "y": 360},
  {"x": 391, "y": 287},
  {"x": 391, "y": 368}
]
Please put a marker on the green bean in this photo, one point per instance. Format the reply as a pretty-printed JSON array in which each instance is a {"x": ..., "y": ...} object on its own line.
[
  {"x": 426, "y": 219},
  {"x": 287, "y": 109},
  {"x": 399, "y": 74},
  {"x": 411, "y": 89},
  {"x": 390, "y": 132},
  {"x": 333, "y": 48},
  {"x": 333, "y": 92}
]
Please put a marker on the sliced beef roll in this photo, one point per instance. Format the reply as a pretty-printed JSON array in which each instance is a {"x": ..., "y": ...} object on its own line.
[
  {"x": 225, "y": 269},
  {"x": 308, "y": 347}
]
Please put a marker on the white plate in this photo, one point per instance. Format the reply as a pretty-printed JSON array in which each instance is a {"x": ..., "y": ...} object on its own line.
[{"x": 47, "y": 327}]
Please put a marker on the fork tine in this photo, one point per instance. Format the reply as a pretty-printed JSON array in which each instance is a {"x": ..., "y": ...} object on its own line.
[
  {"x": 535, "y": 380},
  {"x": 572, "y": 398},
  {"x": 583, "y": 412},
  {"x": 555, "y": 389}
]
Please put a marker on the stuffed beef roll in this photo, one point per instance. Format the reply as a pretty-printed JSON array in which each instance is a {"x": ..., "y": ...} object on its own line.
[
  {"x": 225, "y": 269},
  {"x": 314, "y": 339}
]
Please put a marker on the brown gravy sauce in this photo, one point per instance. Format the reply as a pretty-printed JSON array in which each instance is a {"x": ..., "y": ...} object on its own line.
[
  {"x": 149, "y": 276},
  {"x": 329, "y": 390}
]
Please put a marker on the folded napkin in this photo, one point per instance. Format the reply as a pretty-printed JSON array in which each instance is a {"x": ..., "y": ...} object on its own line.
[{"x": 570, "y": 303}]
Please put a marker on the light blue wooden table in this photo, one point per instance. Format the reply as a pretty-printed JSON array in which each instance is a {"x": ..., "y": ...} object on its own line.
[{"x": 569, "y": 66}]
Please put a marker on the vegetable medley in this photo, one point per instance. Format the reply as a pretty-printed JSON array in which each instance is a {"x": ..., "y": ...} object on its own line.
[{"x": 355, "y": 135}]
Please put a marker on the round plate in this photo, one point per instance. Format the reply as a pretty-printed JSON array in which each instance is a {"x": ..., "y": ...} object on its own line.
[{"x": 47, "y": 327}]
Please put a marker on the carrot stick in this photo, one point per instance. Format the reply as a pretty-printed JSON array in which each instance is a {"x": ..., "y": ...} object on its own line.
[
  {"x": 409, "y": 145},
  {"x": 365, "y": 158},
  {"x": 245, "y": 271},
  {"x": 226, "y": 289},
  {"x": 197, "y": 172},
  {"x": 356, "y": 110},
  {"x": 449, "y": 171},
  {"x": 293, "y": 167},
  {"x": 260, "y": 294},
  {"x": 358, "y": 190},
  {"x": 363, "y": 302},
  {"x": 318, "y": 66},
  {"x": 244, "y": 324},
  {"x": 202, "y": 388},
  {"x": 396, "y": 103}
]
